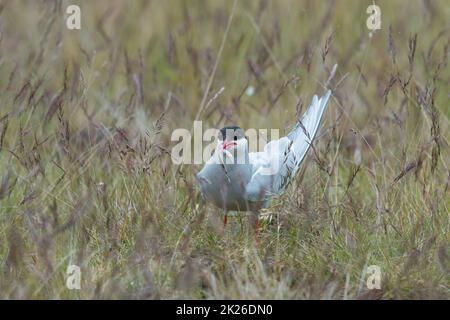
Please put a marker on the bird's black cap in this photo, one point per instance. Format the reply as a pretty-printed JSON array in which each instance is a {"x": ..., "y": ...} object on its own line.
[{"x": 231, "y": 133}]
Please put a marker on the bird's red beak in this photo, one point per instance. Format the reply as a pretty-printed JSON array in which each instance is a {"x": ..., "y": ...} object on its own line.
[{"x": 227, "y": 144}]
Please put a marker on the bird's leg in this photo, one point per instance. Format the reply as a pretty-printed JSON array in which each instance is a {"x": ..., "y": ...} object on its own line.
[
  {"x": 254, "y": 223},
  {"x": 257, "y": 227}
]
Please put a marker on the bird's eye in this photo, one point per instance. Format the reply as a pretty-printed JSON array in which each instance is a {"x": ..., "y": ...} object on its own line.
[{"x": 235, "y": 138}]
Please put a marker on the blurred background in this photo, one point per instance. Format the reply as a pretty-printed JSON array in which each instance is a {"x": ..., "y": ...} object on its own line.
[{"x": 86, "y": 118}]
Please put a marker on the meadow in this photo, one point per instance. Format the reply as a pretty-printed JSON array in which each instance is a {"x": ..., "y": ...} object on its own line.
[{"x": 87, "y": 178}]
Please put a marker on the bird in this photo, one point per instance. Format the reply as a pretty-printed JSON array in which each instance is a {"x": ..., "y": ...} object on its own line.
[{"x": 234, "y": 179}]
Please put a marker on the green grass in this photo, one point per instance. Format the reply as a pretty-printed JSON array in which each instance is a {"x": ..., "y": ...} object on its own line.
[{"x": 86, "y": 175}]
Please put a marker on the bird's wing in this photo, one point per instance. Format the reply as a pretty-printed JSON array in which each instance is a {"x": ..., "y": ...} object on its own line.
[{"x": 274, "y": 167}]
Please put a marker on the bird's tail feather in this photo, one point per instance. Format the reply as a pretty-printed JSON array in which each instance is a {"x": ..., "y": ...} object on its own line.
[{"x": 305, "y": 130}]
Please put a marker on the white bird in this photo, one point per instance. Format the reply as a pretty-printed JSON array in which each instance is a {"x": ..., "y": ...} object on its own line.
[{"x": 235, "y": 179}]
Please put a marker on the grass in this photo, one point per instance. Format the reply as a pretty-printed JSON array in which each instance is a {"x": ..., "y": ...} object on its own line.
[{"x": 86, "y": 174}]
